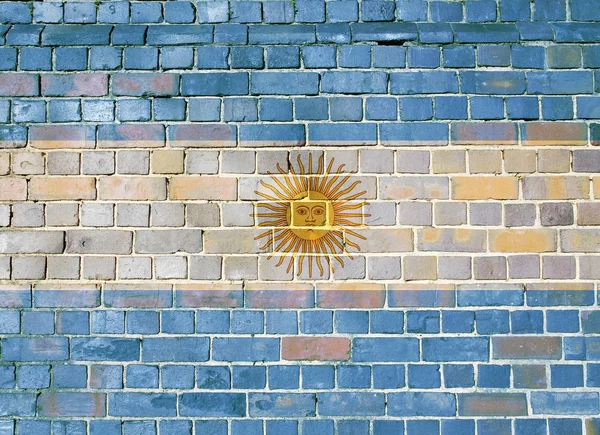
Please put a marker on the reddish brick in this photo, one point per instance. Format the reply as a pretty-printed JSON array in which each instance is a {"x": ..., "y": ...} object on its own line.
[
  {"x": 346, "y": 295},
  {"x": 209, "y": 295},
  {"x": 315, "y": 348},
  {"x": 492, "y": 404},
  {"x": 75, "y": 85},
  {"x": 421, "y": 295},
  {"x": 131, "y": 136},
  {"x": 62, "y": 136},
  {"x": 71, "y": 404},
  {"x": 13, "y": 189},
  {"x": 202, "y": 136},
  {"x": 527, "y": 347},
  {"x": 19, "y": 85},
  {"x": 488, "y": 133},
  {"x": 145, "y": 84},
  {"x": 554, "y": 133},
  {"x": 279, "y": 295}
]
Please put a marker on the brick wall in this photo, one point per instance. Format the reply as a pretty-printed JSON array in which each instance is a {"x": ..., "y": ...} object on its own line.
[{"x": 456, "y": 293}]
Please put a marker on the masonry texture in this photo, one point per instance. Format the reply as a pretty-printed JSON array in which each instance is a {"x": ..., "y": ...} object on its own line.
[{"x": 136, "y": 299}]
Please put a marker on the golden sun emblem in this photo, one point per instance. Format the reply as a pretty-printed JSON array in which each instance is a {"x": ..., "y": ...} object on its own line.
[{"x": 310, "y": 216}]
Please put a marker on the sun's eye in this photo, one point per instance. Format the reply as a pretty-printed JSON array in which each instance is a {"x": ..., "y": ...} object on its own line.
[
  {"x": 319, "y": 211},
  {"x": 302, "y": 211}
]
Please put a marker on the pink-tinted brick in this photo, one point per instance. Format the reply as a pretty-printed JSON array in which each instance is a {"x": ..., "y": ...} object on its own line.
[
  {"x": 209, "y": 295},
  {"x": 492, "y": 404},
  {"x": 72, "y": 404},
  {"x": 62, "y": 136},
  {"x": 315, "y": 348},
  {"x": 75, "y": 85},
  {"x": 350, "y": 295},
  {"x": 19, "y": 85},
  {"x": 131, "y": 136},
  {"x": 279, "y": 296},
  {"x": 527, "y": 347},
  {"x": 149, "y": 84}
]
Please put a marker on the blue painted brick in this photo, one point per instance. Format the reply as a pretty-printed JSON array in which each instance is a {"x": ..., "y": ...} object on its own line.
[
  {"x": 133, "y": 110},
  {"x": 105, "y": 58},
  {"x": 494, "y": 427},
  {"x": 447, "y": 107},
  {"x": 414, "y": 133},
  {"x": 33, "y": 376},
  {"x": 36, "y": 59},
  {"x": 108, "y": 322},
  {"x": 175, "y": 349},
  {"x": 175, "y": 427},
  {"x": 177, "y": 322},
  {"x": 4, "y": 111},
  {"x": 493, "y": 55},
  {"x": 278, "y": 12},
  {"x": 423, "y": 57},
  {"x": 549, "y": 298},
  {"x": 590, "y": 322},
  {"x": 47, "y": 12},
  {"x": 575, "y": 348},
  {"x": 550, "y": 10},
  {"x": 204, "y": 109},
  {"x": 388, "y": 427},
  {"x": 416, "y": 109},
  {"x": 24, "y": 35},
  {"x": 169, "y": 109},
  {"x": 351, "y": 427},
  {"x": 123, "y": 34},
  {"x": 546, "y": 402},
  {"x": 38, "y": 322},
  {"x": 458, "y": 321},
  {"x": 381, "y": 108},
  {"x": 359, "y": 133},
  {"x": 388, "y": 57},
  {"x": 338, "y": 33},
  {"x": 79, "y": 12},
  {"x": 7, "y": 377},
  {"x": 490, "y": 298},
  {"x": 345, "y": 108},
  {"x": 352, "y": 376},
  {"x": 387, "y": 322},
  {"x": 588, "y": 107},
  {"x": 34, "y": 427},
  {"x": 123, "y": 404},
  {"x": 442, "y": 12},
  {"x": 276, "y": 109},
  {"x": 522, "y": 108},
  {"x": 463, "y": 427},
  {"x": 424, "y": 82},
  {"x": 530, "y": 427},
  {"x": 180, "y": 12},
  {"x": 177, "y": 57},
  {"x": 240, "y": 109},
  {"x": 245, "y": 349},
  {"x": 246, "y": 57},
  {"x": 492, "y": 82},
  {"x": 527, "y": 322},
  {"x": 492, "y": 322},
  {"x": 357, "y": 56},
  {"x": 284, "y": 57},
  {"x": 493, "y": 376},
  {"x": 212, "y": 321},
  {"x": 282, "y": 322},
  {"x": 213, "y": 377},
  {"x": 565, "y": 426},
  {"x": 424, "y": 322},
  {"x": 146, "y": 12},
  {"x": 177, "y": 376},
  {"x": 459, "y": 376},
  {"x": 316, "y": 322},
  {"x": 487, "y": 108},
  {"x": 455, "y": 349},
  {"x": 69, "y": 376},
  {"x": 352, "y": 82},
  {"x": 276, "y": 427},
  {"x": 342, "y": 11},
  {"x": 421, "y": 404},
  {"x": 385, "y": 349},
  {"x": 10, "y": 322},
  {"x": 231, "y": 33},
  {"x": 424, "y": 376},
  {"x": 64, "y": 110},
  {"x": 105, "y": 376},
  {"x": 141, "y": 58},
  {"x": 378, "y": 10},
  {"x": 215, "y": 84},
  {"x": 139, "y": 427},
  {"x": 566, "y": 376},
  {"x": 593, "y": 375},
  {"x": 319, "y": 56},
  {"x": 105, "y": 349},
  {"x": 98, "y": 110},
  {"x": 285, "y": 83},
  {"x": 559, "y": 82},
  {"x": 213, "y": 12},
  {"x": 459, "y": 56},
  {"x": 351, "y": 403},
  {"x": 247, "y": 322},
  {"x": 416, "y": 427},
  {"x": 514, "y": 10},
  {"x": 563, "y": 56},
  {"x": 310, "y": 11},
  {"x": 8, "y": 59},
  {"x": 69, "y": 428},
  {"x": 311, "y": 109},
  {"x": 347, "y": 321},
  {"x": 562, "y": 320},
  {"x": 388, "y": 376},
  {"x": 140, "y": 376},
  {"x": 531, "y": 57},
  {"x": 317, "y": 377},
  {"x": 113, "y": 12},
  {"x": 245, "y": 12},
  {"x": 555, "y": 108},
  {"x": 246, "y": 427},
  {"x": 249, "y": 377},
  {"x": 591, "y": 56},
  {"x": 480, "y": 11},
  {"x": 411, "y": 10},
  {"x": 284, "y": 377}
]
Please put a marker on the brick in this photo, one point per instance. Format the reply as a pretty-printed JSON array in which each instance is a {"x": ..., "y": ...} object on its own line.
[
  {"x": 497, "y": 187},
  {"x": 385, "y": 349},
  {"x": 588, "y": 214},
  {"x": 145, "y": 84},
  {"x": 485, "y": 161},
  {"x": 61, "y": 188},
  {"x": 529, "y": 240},
  {"x": 353, "y": 82},
  {"x": 19, "y": 85},
  {"x": 258, "y": 297},
  {"x": 133, "y": 188},
  {"x": 82, "y": 84},
  {"x": 63, "y": 268},
  {"x": 579, "y": 240},
  {"x": 135, "y": 268},
  {"x": 451, "y": 240},
  {"x": 456, "y": 349},
  {"x": 485, "y": 268},
  {"x": 421, "y": 404},
  {"x": 555, "y": 403},
  {"x": 168, "y": 214},
  {"x": 13, "y": 189},
  {"x": 63, "y": 163},
  {"x": 520, "y": 161},
  {"x": 496, "y": 133},
  {"x": 492, "y": 404},
  {"x": 491, "y": 82},
  {"x": 527, "y": 347},
  {"x": 448, "y": 161},
  {"x": 62, "y": 214},
  {"x": 124, "y": 296},
  {"x": 414, "y": 188},
  {"x": 554, "y": 133},
  {"x": 35, "y": 349},
  {"x": 168, "y": 241},
  {"x": 98, "y": 242},
  {"x": 98, "y": 163},
  {"x": 213, "y": 404},
  {"x": 315, "y": 348},
  {"x": 62, "y": 136},
  {"x": 32, "y": 242},
  {"x": 72, "y": 404},
  {"x": 201, "y": 136},
  {"x": 555, "y": 187}
]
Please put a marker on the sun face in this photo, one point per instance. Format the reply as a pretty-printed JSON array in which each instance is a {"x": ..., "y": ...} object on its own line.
[{"x": 310, "y": 216}]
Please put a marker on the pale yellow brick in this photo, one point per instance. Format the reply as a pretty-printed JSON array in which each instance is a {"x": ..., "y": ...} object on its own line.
[
  {"x": 167, "y": 161},
  {"x": 28, "y": 163},
  {"x": 13, "y": 189},
  {"x": 208, "y": 188},
  {"x": 485, "y": 161},
  {"x": 447, "y": 162},
  {"x": 500, "y": 187},
  {"x": 528, "y": 240},
  {"x": 4, "y": 163},
  {"x": 420, "y": 267},
  {"x": 133, "y": 188},
  {"x": 554, "y": 161},
  {"x": 58, "y": 188},
  {"x": 519, "y": 161}
]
